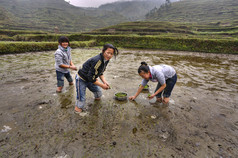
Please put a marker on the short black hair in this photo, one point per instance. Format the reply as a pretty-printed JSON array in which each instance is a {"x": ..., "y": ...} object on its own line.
[
  {"x": 108, "y": 45},
  {"x": 144, "y": 67},
  {"x": 63, "y": 39}
]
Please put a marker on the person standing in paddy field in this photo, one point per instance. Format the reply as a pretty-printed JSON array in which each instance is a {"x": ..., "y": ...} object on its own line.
[
  {"x": 166, "y": 77},
  {"x": 88, "y": 74},
  {"x": 63, "y": 63}
]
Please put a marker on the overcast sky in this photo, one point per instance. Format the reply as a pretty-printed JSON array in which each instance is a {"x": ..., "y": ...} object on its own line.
[
  {"x": 89, "y": 3},
  {"x": 94, "y": 3}
]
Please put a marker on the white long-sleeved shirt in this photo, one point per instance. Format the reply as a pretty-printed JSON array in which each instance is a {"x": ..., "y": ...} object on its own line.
[{"x": 159, "y": 73}]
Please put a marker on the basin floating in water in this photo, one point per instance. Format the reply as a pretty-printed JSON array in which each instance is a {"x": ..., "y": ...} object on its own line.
[{"x": 121, "y": 96}]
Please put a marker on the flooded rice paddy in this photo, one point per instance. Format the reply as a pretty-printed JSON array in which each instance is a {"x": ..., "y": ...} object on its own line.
[{"x": 200, "y": 121}]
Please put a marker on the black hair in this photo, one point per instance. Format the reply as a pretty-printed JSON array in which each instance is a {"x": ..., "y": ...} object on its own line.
[
  {"x": 144, "y": 67},
  {"x": 63, "y": 39},
  {"x": 106, "y": 46}
]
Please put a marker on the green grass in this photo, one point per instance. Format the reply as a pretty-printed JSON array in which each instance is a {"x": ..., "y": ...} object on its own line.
[
  {"x": 209, "y": 38},
  {"x": 21, "y": 47},
  {"x": 148, "y": 29},
  {"x": 11, "y": 33},
  {"x": 177, "y": 44},
  {"x": 171, "y": 29},
  {"x": 131, "y": 41}
]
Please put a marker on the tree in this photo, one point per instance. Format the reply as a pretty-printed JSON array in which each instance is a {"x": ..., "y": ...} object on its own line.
[{"x": 167, "y": 3}]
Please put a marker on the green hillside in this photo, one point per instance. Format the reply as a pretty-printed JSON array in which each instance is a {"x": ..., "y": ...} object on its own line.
[
  {"x": 52, "y": 15},
  {"x": 197, "y": 11},
  {"x": 172, "y": 29},
  {"x": 134, "y": 10}
]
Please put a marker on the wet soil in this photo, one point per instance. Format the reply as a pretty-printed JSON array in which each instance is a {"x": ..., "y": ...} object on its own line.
[{"x": 201, "y": 119}]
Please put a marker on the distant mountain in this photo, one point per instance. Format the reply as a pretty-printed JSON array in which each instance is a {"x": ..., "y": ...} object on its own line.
[
  {"x": 196, "y": 11},
  {"x": 53, "y": 15},
  {"x": 135, "y": 9}
]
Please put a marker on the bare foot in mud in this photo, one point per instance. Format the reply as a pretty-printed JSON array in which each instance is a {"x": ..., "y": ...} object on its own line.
[
  {"x": 77, "y": 110},
  {"x": 59, "y": 89},
  {"x": 166, "y": 100}
]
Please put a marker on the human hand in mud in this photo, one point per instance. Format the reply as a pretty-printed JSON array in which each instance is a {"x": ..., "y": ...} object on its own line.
[
  {"x": 105, "y": 86},
  {"x": 132, "y": 97},
  {"x": 73, "y": 68},
  {"x": 105, "y": 82},
  {"x": 151, "y": 96}
]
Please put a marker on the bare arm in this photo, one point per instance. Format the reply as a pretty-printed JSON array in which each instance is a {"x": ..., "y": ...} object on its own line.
[
  {"x": 72, "y": 66},
  {"x": 103, "y": 79},
  {"x": 103, "y": 85},
  {"x": 68, "y": 67},
  {"x": 137, "y": 93},
  {"x": 65, "y": 66},
  {"x": 158, "y": 91}
]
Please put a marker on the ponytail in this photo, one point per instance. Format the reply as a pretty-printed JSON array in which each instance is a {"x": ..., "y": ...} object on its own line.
[
  {"x": 143, "y": 63},
  {"x": 144, "y": 67}
]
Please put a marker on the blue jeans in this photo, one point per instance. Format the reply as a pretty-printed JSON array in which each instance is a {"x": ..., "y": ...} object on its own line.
[
  {"x": 169, "y": 87},
  {"x": 60, "y": 78},
  {"x": 81, "y": 86}
]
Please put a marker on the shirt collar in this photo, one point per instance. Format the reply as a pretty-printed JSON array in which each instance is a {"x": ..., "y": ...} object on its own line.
[
  {"x": 63, "y": 49},
  {"x": 150, "y": 72}
]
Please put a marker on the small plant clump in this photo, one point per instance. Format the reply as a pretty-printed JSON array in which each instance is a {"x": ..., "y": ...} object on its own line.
[
  {"x": 120, "y": 95},
  {"x": 146, "y": 87}
]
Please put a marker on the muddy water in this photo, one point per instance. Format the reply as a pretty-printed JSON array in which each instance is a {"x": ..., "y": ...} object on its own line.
[{"x": 200, "y": 121}]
